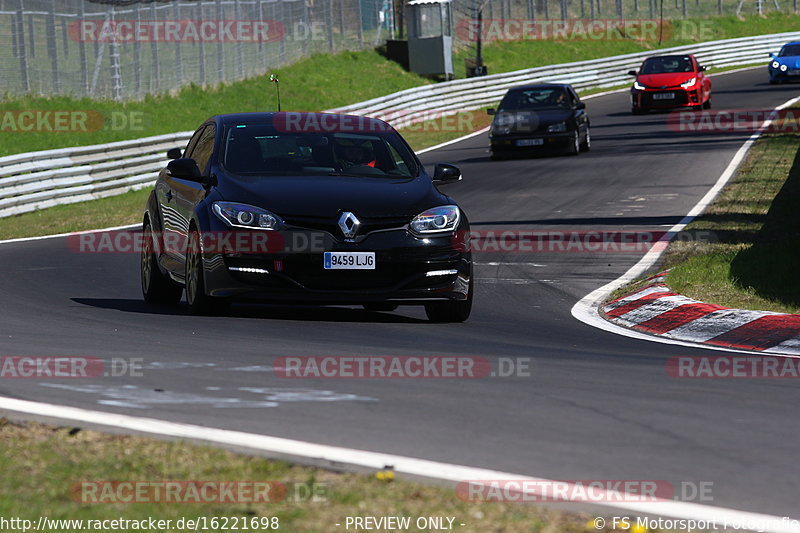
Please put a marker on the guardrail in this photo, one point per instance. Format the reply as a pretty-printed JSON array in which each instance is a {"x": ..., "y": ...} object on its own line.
[
  {"x": 37, "y": 180},
  {"x": 429, "y": 101}
]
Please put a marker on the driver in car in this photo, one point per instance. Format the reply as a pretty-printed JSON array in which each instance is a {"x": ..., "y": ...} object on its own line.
[{"x": 351, "y": 154}]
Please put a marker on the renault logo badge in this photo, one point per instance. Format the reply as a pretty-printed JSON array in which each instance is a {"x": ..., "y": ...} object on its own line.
[{"x": 349, "y": 224}]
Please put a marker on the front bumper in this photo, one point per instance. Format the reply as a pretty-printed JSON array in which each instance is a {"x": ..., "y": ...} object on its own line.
[
  {"x": 650, "y": 99},
  {"x": 775, "y": 74},
  {"x": 407, "y": 270},
  {"x": 512, "y": 141}
]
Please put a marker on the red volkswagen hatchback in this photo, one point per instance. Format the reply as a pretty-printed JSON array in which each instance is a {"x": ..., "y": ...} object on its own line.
[{"x": 665, "y": 82}]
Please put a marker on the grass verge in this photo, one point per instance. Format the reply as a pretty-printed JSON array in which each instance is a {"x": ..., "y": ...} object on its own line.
[
  {"x": 43, "y": 465},
  {"x": 329, "y": 81},
  {"x": 743, "y": 251}
]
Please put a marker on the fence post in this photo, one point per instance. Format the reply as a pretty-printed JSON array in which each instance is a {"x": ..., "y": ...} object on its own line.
[
  {"x": 361, "y": 24},
  {"x": 237, "y": 7},
  {"x": 156, "y": 76},
  {"x": 176, "y": 10},
  {"x": 329, "y": 23},
  {"x": 113, "y": 57},
  {"x": 82, "y": 50},
  {"x": 31, "y": 37},
  {"x": 137, "y": 55},
  {"x": 220, "y": 60},
  {"x": 23, "y": 57},
  {"x": 201, "y": 47}
]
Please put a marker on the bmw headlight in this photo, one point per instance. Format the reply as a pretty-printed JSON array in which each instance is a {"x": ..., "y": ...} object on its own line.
[
  {"x": 638, "y": 86},
  {"x": 503, "y": 123},
  {"x": 775, "y": 64},
  {"x": 561, "y": 127},
  {"x": 436, "y": 220},
  {"x": 246, "y": 216},
  {"x": 498, "y": 129},
  {"x": 783, "y": 68},
  {"x": 688, "y": 83}
]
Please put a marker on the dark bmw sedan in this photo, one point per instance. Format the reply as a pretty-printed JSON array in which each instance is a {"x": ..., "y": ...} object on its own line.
[
  {"x": 305, "y": 208},
  {"x": 545, "y": 118}
]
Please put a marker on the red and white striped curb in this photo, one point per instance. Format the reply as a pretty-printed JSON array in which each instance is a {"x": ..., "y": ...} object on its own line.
[{"x": 658, "y": 311}]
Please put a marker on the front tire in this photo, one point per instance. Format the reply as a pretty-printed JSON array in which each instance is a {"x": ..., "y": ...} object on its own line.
[
  {"x": 586, "y": 145},
  {"x": 707, "y": 103},
  {"x": 157, "y": 288},
  {"x": 199, "y": 302},
  {"x": 452, "y": 310},
  {"x": 575, "y": 145}
]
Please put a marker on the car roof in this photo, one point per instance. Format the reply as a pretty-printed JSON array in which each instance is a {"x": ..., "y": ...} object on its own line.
[
  {"x": 791, "y": 42},
  {"x": 669, "y": 55},
  {"x": 262, "y": 117},
  {"x": 539, "y": 86}
]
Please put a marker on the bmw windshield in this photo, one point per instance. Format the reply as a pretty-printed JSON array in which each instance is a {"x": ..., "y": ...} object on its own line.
[
  {"x": 262, "y": 149},
  {"x": 541, "y": 98}
]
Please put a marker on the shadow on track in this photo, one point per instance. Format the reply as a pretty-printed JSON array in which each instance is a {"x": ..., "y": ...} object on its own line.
[{"x": 257, "y": 311}]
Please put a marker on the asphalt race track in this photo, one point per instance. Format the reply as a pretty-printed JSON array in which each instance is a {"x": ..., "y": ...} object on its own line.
[{"x": 596, "y": 405}]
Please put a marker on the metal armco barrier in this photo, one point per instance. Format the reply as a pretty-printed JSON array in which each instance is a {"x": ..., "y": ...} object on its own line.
[{"x": 38, "y": 180}]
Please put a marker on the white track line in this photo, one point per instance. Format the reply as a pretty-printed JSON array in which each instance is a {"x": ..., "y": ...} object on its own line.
[
  {"x": 42, "y": 237},
  {"x": 586, "y": 310},
  {"x": 334, "y": 456}
]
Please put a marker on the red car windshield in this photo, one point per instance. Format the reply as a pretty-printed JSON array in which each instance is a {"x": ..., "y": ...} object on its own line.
[{"x": 667, "y": 65}]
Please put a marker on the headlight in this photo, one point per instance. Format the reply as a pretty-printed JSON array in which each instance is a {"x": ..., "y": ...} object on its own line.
[
  {"x": 498, "y": 129},
  {"x": 436, "y": 220},
  {"x": 688, "y": 83},
  {"x": 503, "y": 123},
  {"x": 775, "y": 64},
  {"x": 638, "y": 86},
  {"x": 246, "y": 216},
  {"x": 783, "y": 68},
  {"x": 561, "y": 127}
]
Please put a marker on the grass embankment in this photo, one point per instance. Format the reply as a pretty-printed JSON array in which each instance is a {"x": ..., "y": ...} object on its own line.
[
  {"x": 754, "y": 229},
  {"x": 316, "y": 83},
  {"x": 329, "y": 81},
  {"x": 515, "y": 55},
  {"x": 43, "y": 466}
]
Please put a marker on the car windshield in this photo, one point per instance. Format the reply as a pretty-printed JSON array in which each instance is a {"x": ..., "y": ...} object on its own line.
[
  {"x": 667, "y": 65},
  {"x": 260, "y": 149},
  {"x": 539, "y": 98},
  {"x": 790, "y": 50}
]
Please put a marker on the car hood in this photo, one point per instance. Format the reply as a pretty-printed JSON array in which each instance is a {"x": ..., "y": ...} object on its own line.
[
  {"x": 665, "y": 80},
  {"x": 530, "y": 120},
  {"x": 329, "y": 196},
  {"x": 792, "y": 62}
]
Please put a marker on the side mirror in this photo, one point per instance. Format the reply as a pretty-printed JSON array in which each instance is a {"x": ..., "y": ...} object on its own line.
[
  {"x": 446, "y": 174},
  {"x": 771, "y": 54},
  {"x": 632, "y": 73},
  {"x": 174, "y": 153},
  {"x": 185, "y": 169},
  {"x": 580, "y": 105},
  {"x": 491, "y": 111},
  {"x": 703, "y": 68}
]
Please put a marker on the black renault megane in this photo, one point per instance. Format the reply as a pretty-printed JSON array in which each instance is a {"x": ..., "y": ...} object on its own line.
[{"x": 305, "y": 208}]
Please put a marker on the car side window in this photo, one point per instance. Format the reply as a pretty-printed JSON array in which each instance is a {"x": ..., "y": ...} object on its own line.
[
  {"x": 573, "y": 98},
  {"x": 193, "y": 142},
  {"x": 201, "y": 152}
]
